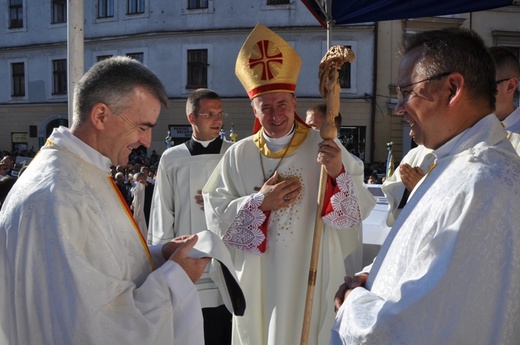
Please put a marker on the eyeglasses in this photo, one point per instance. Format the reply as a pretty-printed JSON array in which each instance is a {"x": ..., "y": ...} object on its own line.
[
  {"x": 402, "y": 94},
  {"x": 502, "y": 80},
  {"x": 212, "y": 116}
]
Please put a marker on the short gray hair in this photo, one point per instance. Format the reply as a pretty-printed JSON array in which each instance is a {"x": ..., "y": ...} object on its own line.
[{"x": 112, "y": 81}]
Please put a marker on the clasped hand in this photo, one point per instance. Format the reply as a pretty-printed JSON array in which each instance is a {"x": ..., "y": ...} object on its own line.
[
  {"x": 344, "y": 289},
  {"x": 410, "y": 175},
  {"x": 177, "y": 250}
]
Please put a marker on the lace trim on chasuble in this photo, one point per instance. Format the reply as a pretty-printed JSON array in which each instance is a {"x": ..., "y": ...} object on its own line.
[
  {"x": 343, "y": 210},
  {"x": 246, "y": 232}
]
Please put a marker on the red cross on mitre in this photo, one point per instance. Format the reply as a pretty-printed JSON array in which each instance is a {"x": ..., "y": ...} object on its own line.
[{"x": 270, "y": 59}]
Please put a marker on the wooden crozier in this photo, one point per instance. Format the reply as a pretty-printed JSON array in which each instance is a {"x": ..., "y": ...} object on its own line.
[{"x": 330, "y": 90}]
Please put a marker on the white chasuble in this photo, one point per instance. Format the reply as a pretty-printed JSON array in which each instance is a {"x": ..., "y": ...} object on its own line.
[
  {"x": 449, "y": 270},
  {"x": 275, "y": 282},
  {"x": 138, "y": 208},
  {"x": 75, "y": 268}
]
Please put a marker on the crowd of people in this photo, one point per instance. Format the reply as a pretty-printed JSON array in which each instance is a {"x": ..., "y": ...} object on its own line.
[{"x": 102, "y": 243}]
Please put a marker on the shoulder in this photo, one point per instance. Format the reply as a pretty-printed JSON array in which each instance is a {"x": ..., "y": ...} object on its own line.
[
  {"x": 488, "y": 169},
  {"x": 174, "y": 152},
  {"x": 241, "y": 145},
  {"x": 416, "y": 154}
]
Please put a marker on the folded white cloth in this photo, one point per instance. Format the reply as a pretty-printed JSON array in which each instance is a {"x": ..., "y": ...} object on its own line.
[{"x": 222, "y": 270}]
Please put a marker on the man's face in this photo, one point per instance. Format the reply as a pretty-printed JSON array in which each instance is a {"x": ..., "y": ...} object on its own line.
[
  {"x": 315, "y": 119},
  {"x": 420, "y": 103},
  {"x": 132, "y": 128},
  {"x": 506, "y": 87},
  {"x": 3, "y": 170},
  {"x": 207, "y": 124},
  {"x": 8, "y": 161},
  {"x": 120, "y": 179},
  {"x": 275, "y": 111}
]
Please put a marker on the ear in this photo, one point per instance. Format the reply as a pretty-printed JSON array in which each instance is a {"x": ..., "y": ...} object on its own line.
[
  {"x": 99, "y": 115},
  {"x": 512, "y": 85},
  {"x": 456, "y": 87},
  {"x": 191, "y": 118},
  {"x": 254, "y": 111}
]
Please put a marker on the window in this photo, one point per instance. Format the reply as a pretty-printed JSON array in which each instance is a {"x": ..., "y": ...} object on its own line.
[
  {"x": 18, "y": 78},
  {"x": 59, "y": 11},
  {"x": 278, "y": 2},
  {"x": 135, "y": 6},
  {"x": 195, "y": 4},
  {"x": 15, "y": 14},
  {"x": 105, "y": 8},
  {"x": 344, "y": 75},
  {"x": 59, "y": 74},
  {"x": 197, "y": 68},
  {"x": 136, "y": 56},
  {"x": 103, "y": 57}
]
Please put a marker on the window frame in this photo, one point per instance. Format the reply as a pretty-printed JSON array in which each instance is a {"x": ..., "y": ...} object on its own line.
[
  {"x": 200, "y": 67},
  {"x": 140, "y": 7},
  {"x": 11, "y": 91},
  {"x": 58, "y": 6},
  {"x": 19, "y": 12},
  {"x": 184, "y": 58},
  {"x": 17, "y": 80},
  {"x": 59, "y": 77},
  {"x": 105, "y": 6},
  {"x": 353, "y": 66},
  {"x": 134, "y": 53},
  {"x": 277, "y": 2},
  {"x": 197, "y": 5}
]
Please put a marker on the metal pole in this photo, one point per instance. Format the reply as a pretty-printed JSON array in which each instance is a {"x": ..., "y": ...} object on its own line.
[
  {"x": 330, "y": 23},
  {"x": 75, "y": 46}
]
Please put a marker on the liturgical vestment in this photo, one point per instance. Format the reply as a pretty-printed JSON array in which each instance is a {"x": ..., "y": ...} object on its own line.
[
  {"x": 76, "y": 269},
  {"x": 275, "y": 282},
  {"x": 449, "y": 270}
]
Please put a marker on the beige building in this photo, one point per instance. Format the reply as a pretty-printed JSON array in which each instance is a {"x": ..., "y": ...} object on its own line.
[{"x": 498, "y": 27}]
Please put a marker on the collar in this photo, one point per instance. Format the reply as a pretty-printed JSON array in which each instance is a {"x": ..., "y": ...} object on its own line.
[
  {"x": 299, "y": 134},
  {"x": 204, "y": 143},
  {"x": 196, "y": 147},
  {"x": 488, "y": 130},
  {"x": 512, "y": 121},
  {"x": 62, "y": 137}
]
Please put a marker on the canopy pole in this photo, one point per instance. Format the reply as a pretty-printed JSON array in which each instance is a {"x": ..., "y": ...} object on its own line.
[
  {"x": 330, "y": 22},
  {"x": 75, "y": 47}
]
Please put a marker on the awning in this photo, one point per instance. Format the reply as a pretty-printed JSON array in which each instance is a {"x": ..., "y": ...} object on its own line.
[{"x": 361, "y": 11}]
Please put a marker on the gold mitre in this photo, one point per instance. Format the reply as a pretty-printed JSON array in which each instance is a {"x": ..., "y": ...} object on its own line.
[{"x": 267, "y": 63}]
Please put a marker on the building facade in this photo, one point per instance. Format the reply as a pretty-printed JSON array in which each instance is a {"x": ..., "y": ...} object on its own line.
[
  {"x": 194, "y": 43},
  {"x": 498, "y": 27},
  {"x": 189, "y": 44}
]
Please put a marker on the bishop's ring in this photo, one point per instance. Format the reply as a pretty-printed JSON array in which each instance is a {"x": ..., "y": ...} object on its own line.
[{"x": 286, "y": 198}]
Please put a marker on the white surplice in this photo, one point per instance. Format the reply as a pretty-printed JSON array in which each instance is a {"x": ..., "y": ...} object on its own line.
[
  {"x": 449, "y": 270},
  {"x": 74, "y": 267},
  {"x": 275, "y": 283},
  {"x": 138, "y": 208},
  {"x": 394, "y": 188},
  {"x": 174, "y": 211}
]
